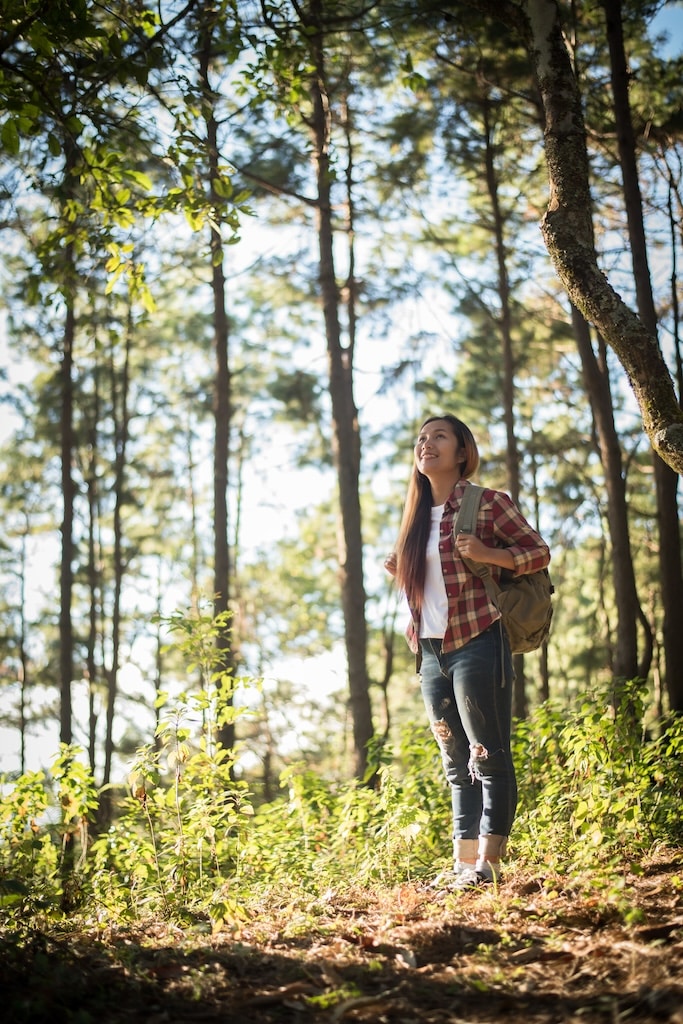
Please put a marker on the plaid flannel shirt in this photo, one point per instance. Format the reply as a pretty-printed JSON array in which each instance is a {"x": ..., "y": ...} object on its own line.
[{"x": 499, "y": 524}]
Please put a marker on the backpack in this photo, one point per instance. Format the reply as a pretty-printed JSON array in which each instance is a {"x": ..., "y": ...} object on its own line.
[{"x": 524, "y": 602}]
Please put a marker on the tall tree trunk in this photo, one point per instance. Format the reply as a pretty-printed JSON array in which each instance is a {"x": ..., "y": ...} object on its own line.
[
  {"x": 567, "y": 229},
  {"x": 66, "y": 573},
  {"x": 94, "y": 575},
  {"x": 23, "y": 654},
  {"x": 194, "y": 526},
  {"x": 519, "y": 697},
  {"x": 159, "y": 641},
  {"x": 670, "y": 567},
  {"x": 345, "y": 428},
  {"x": 222, "y": 391},
  {"x": 121, "y": 434},
  {"x": 69, "y": 490},
  {"x": 596, "y": 382},
  {"x": 675, "y": 302}
]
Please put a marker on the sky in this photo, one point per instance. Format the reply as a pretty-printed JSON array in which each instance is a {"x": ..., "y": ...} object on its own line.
[{"x": 670, "y": 20}]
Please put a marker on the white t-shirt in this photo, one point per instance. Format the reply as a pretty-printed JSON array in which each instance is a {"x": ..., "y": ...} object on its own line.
[{"x": 434, "y": 616}]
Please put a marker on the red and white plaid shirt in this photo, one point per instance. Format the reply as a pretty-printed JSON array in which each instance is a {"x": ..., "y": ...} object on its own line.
[{"x": 499, "y": 524}]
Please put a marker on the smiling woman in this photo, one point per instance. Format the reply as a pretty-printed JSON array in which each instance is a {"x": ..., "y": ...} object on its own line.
[
  {"x": 456, "y": 631},
  {"x": 439, "y": 458}
]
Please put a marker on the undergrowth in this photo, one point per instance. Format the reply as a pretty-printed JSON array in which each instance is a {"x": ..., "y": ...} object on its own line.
[{"x": 188, "y": 842}]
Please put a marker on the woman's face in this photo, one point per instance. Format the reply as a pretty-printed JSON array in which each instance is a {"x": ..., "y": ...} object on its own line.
[{"x": 437, "y": 450}]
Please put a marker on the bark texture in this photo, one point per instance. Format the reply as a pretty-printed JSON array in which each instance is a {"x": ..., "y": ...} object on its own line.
[
  {"x": 568, "y": 235},
  {"x": 345, "y": 428},
  {"x": 66, "y": 574},
  {"x": 665, "y": 479},
  {"x": 222, "y": 393},
  {"x": 567, "y": 228}
]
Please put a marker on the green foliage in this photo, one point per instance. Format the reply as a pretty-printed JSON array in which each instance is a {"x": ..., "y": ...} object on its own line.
[
  {"x": 27, "y": 854},
  {"x": 323, "y": 832},
  {"x": 188, "y": 844},
  {"x": 593, "y": 791},
  {"x": 76, "y": 795},
  {"x": 174, "y": 842},
  {"x": 180, "y": 829},
  {"x": 39, "y": 820},
  {"x": 594, "y": 787}
]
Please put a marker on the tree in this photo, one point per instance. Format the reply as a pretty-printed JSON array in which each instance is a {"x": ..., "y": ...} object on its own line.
[
  {"x": 595, "y": 365},
  {"x": 307, "y": 63},
  {"x": 625, "y": 662},
  {"x": 66, "y": 579},
  {"x": 121, "y": 415},
  {"x": 567, "y": 226},
  {"x": 666, "y": 479},
  {"x": 210, "y": 19},
  {"x": 345, "y": 428},
  {"x": 568, "y": 234}
]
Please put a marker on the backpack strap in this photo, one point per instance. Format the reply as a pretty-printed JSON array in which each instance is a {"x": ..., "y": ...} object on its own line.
[{"x": 466, "y": 522}]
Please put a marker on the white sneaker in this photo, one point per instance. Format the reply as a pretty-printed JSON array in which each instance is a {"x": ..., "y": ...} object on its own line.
[
  {"x": 448, "y": 879},
  {"x": 483, "y": 873},
  {"x": 473, "y": 878}
]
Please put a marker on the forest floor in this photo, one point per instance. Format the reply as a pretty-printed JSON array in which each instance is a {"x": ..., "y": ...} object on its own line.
[{"x": 538, "y": 951}]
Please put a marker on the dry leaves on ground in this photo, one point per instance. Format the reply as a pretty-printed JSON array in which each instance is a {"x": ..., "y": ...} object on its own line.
[{"x": 531, "y": 954}]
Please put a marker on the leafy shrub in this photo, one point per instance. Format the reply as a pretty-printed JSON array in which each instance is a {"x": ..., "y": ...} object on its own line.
[
  {"x": 325, "y": 832},
  {"x": 594, "y": 790},
  {"x": 39, "y": 831},
  {"x": 27, "y": 854},
  {"x": 593, "y": 786}
]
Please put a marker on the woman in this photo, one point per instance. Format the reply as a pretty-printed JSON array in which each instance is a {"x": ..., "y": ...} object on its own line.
[{"x": 463, "y": 652}]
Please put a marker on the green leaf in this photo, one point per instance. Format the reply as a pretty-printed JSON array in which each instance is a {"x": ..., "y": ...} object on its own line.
[
  {"x": 147, "y": 299},
  {"x": 75, "y": 125},
  {"x": 9, "y": 136},
  {"x": 195, "y": 219},
  {"x": 222, "y": 187},
  {"x": 140, "y": 178}
]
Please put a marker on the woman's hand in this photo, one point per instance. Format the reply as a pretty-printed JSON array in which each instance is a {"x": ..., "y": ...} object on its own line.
[
  {"x": 469, "y": 546},
  {"x": 390, "y": 563}
]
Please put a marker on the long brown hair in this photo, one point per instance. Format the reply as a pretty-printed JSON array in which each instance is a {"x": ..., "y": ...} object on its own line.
[{"x": 417, "y": 514}]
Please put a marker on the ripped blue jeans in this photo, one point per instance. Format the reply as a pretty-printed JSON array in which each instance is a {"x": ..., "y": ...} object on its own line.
[{"x": 468, "y": 697}]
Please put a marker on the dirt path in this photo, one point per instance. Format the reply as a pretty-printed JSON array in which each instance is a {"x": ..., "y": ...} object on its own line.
[{"x": 531, "y": 954}]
